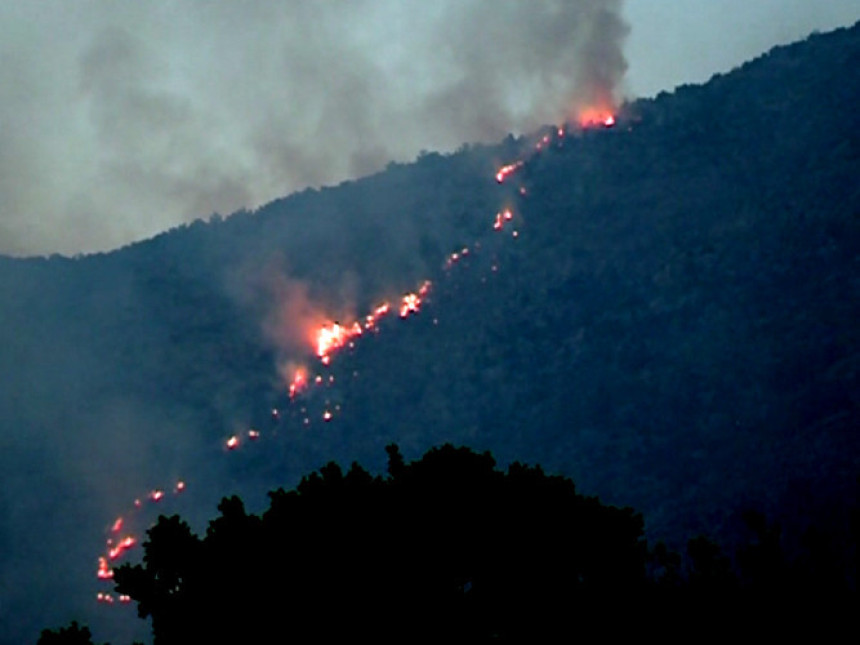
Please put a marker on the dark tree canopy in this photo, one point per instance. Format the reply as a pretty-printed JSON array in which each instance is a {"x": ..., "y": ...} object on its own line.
[
  {"x": 445, "y": 547},
  {"x": 74, "y": 634},
  {"x": 450, "y": 549}
]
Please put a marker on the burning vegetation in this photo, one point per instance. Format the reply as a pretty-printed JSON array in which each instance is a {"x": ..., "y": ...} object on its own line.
[{"x": 326, "y": 340}]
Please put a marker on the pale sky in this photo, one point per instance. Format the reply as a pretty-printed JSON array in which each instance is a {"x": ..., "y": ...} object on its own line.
[{"x": 121, "y": 118}]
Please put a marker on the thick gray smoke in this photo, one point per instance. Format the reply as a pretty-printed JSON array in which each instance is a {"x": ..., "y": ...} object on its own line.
[{"x": 121, "y": 119}]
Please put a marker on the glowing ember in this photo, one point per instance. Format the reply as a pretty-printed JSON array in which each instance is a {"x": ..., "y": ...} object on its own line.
[
  {"x": 411, "y": 302},
  {"x": 502, "y": 217},
  {"x": 232, "y": 443},
  {"x": 156, "y": 495},
  {"x": 299, "y": 382},
  {"x": 381, "y": 310},
  {"x": 104, "y": 571},
  {"x": 504, "y": 171},
  {"x": 327, "y": 415},
  {"x": 543, "y": 142},
  {"x": 117, "y": 525},
  {"x": 124, "y": 545},
  {"x": 180, "y": 486},
  {"x": 253, "y": 434}
]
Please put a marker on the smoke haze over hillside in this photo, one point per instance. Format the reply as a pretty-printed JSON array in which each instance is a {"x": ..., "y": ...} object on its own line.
[
  {"x": 127, "y": 118},
  {"x": 121, "y": 119}
]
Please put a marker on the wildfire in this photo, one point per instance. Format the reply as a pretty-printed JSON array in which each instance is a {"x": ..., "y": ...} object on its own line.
[
  {"x": 124, "y": 545},
  {"x": 104, "y": 572},
  {"x": 544, "y": 141},
  {"x": 328, "y": 338},
  {"x": 504, "y": 171},
  {"x": 411, "y": 302},
  {"x": 502, "y": 217},
  {"x": 299, "y": 382},
  {"x": 371, "y": 319},
  {"x": 596, "y": 117},
  {"x": 332, "y": 336}
]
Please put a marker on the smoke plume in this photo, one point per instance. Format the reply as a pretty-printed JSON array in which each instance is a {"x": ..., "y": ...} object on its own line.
[{"x": 123, "y": 119}]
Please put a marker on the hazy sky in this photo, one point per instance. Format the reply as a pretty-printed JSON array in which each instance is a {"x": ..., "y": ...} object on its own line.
[{"x": 122, "y": 118}]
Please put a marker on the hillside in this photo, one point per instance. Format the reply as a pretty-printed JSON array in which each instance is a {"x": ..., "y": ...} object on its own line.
[{"x": 674, "y": 327}]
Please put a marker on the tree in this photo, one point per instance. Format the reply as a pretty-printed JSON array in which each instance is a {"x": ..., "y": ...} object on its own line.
[
  {"x": 74, "y": 634},
  {"x": 445, "y": 547}
]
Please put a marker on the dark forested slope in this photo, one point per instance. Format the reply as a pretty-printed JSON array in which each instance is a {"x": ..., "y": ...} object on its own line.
[{"x": 674, "y": 326}]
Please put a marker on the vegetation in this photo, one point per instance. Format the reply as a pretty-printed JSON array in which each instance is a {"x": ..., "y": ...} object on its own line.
[{"x": 450, "y": 549}]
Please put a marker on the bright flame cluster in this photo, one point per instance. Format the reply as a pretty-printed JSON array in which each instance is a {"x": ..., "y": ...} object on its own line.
[
  {"x": 332, "y": 336},
  {"x": 596, "y": 117},
  {"x": 506, "y": 170}
]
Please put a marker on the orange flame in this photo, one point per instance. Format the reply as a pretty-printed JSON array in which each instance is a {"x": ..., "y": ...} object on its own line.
[
  {"x": 596, "y": 117},
  {"x": 504, "y": 171},
  {"x": 104, "y": 571},
  {"x": 124, "y": 545},
  {"x": 299, "y": 382}
]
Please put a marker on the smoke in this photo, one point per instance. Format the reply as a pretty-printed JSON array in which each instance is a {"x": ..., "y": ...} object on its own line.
[{"x": 122, "y": 119}]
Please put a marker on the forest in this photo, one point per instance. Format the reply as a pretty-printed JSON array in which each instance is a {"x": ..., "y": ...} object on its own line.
[
  {"x": 673, "y": 327},
  {"x": 448, "y": 548}
]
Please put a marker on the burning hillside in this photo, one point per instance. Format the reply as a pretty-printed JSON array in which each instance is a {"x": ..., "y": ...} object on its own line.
[{"x": 328, "y": 339}]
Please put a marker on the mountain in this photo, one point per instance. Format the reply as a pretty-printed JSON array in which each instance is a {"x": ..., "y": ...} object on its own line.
[{"x": 674, "y": 327}]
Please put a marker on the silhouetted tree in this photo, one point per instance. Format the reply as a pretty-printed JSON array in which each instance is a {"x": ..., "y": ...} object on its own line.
[
  {"x": 74, "y": 634},
  {"x": 446, "y": 547}
]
